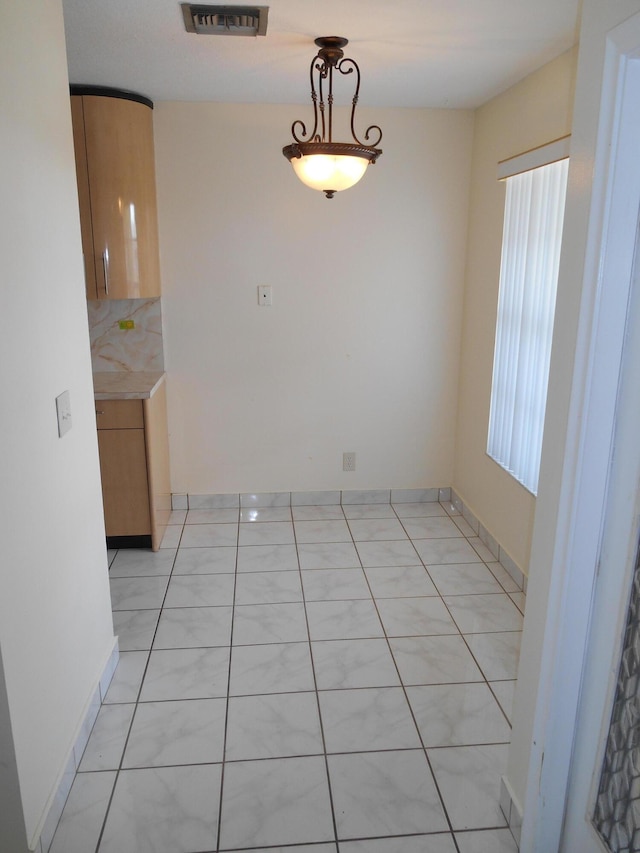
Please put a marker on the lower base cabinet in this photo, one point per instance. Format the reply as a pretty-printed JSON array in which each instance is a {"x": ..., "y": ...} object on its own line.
[{"x": 134, "y": 465}]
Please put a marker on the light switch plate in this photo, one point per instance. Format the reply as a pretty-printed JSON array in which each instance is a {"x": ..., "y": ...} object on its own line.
[{"x": 63, "y": 409}]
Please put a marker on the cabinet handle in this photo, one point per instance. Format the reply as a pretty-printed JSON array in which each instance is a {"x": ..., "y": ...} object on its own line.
[
  {"x": 105, "y": 267},
  {"x": 99, "y": 413}
]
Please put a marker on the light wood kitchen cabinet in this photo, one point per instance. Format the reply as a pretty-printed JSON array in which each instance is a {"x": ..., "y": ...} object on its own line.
[
  {"x": 113, "y": 140},
  {"x": 134, "y": 465}
]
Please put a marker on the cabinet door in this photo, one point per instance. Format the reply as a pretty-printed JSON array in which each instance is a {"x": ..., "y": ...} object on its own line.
[
  {"x": 125, "y": 492},
  {"x": 120, "y": 165},
  {"x": 84, "y": 199},
  {"x": 119, "y": 414}
]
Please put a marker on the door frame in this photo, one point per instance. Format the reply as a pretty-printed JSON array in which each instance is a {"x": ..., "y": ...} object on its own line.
[
  {"x": 590, "y": 431},
  {"x": 616, "y": 568}
]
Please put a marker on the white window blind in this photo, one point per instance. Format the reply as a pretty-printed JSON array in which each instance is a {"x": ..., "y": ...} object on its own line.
[{"x": 532, "y": 235}]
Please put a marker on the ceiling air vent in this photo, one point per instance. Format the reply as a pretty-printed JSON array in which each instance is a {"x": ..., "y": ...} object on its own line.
[{"x": 225, "y": 20}]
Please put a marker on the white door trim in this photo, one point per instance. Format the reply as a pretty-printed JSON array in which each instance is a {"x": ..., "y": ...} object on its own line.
[
  {"x": 589, "y": 436},
  {"x": 611, "y": 597}
]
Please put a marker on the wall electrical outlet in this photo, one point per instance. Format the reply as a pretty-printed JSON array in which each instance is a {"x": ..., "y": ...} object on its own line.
[
  {"x": 348, "y": 461},
  {"x": 63, "y": 409}
]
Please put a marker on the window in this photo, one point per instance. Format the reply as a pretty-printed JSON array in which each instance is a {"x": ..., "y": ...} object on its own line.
[{"x": 532, "y": 235}]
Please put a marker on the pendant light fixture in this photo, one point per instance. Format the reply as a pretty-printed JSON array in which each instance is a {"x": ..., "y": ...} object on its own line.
[{"x": 318, "y": 161}]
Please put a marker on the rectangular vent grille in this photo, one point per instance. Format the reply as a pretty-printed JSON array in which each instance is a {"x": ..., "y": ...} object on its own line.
[{"x": 225, "y": 20}]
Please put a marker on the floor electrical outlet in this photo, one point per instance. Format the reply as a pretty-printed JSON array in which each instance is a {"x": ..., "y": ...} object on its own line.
[{"x": 348, "y": 461}]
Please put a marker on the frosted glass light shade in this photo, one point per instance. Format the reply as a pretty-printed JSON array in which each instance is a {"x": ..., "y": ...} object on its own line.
[
  {"x": 329, "y": 172},
  {"x": 330, "y": 166}
]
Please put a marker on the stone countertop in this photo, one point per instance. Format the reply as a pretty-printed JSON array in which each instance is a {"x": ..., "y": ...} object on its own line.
[{"x": 126, "y": 385}]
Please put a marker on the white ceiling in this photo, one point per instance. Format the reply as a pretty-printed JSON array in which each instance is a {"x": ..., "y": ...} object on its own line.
[{"x": 411, "y": 53}]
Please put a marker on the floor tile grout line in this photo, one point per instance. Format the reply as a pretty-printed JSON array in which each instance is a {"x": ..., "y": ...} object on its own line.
[
  {"x": 480, "y": 560},
  {"x": 415, "y": 723},
  {"x": 317, "y": 697},
  {"x": 331, "y": 753},
  {"x": 506, "y": 716},
  {"x": 435, "y": 782},
  {"x": 221, "y": 645},
  {"x": 486, "y": 680},
  {"x": 486, "y": 562},
  {"x": 226, "y": 715},
  {"x": 489, "y": 563},
  {"x": 317, "y": 844},
  {"x": 135, "y": 703}
]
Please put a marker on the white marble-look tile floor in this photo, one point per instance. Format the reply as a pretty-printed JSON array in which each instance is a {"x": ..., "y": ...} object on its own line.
[{"x": 312, "y": 680}]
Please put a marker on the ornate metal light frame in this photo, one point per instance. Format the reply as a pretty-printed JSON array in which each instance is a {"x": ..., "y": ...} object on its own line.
[{"x": 318, "y": 161}]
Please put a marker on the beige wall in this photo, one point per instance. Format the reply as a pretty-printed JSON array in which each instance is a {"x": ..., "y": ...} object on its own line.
[
  {"x": 535, "y": 111},
  {"x": 55, "y": 621},
  {"x": 360, "y": 349}
]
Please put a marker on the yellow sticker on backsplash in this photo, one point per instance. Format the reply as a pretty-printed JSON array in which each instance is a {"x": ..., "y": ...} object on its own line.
[{"x": 126, "y": 324}]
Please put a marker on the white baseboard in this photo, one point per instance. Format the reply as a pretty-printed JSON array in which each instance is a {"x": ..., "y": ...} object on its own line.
[{"x": 58, "y": 798}]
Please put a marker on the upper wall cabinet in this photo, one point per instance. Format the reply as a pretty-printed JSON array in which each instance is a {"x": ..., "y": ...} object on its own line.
[{"x": 113, "y": 139}]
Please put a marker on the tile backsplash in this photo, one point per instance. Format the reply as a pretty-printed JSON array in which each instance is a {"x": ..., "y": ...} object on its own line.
[{"x": 114, "y": 348}]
